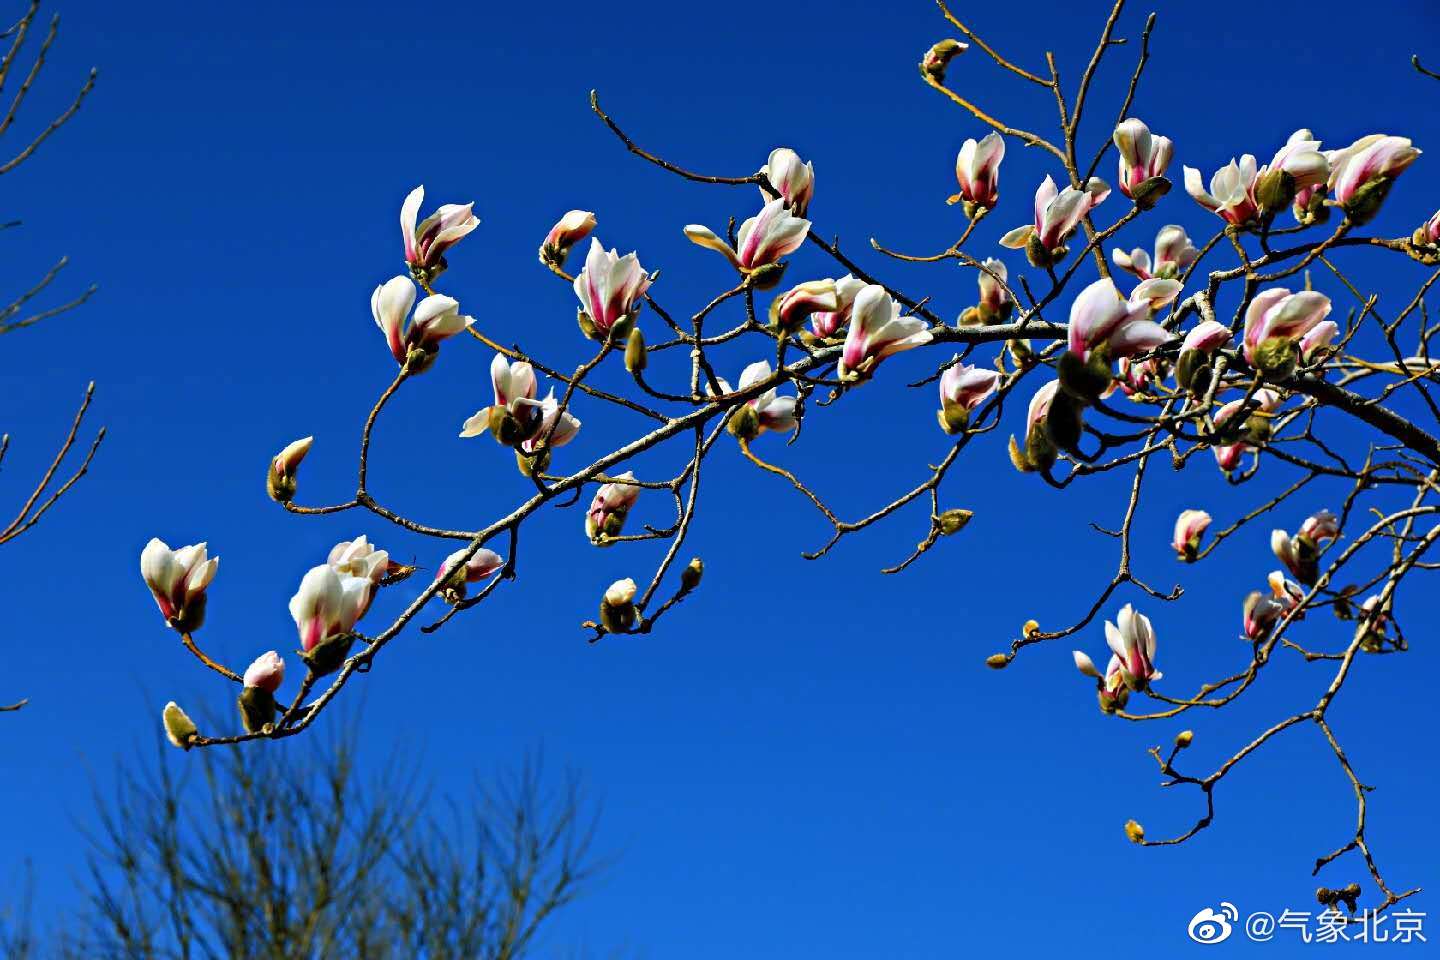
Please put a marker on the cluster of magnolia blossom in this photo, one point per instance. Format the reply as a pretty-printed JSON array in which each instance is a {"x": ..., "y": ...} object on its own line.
[
  {"x": 331, "y": 600},
  {"x": 1306, "y": 179}
]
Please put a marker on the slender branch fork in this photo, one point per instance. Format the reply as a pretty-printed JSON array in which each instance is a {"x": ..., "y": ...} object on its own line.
[
  {"x": 1387, "y": 523},
  {"x": 23, "y": 311}
]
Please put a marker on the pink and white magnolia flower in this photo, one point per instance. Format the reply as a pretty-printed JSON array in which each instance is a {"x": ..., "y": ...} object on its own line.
[
  {"x": 266, "y": 673},
  {"x": 511, "y": 381},
  {"x": 789, "y": 310},
  {"x": 1142, "y": 156},
  {"x": 1100, "y": 316},
  {"x": 1057, "y": 214},
  {"x": 1321, "y": 525},
  {"x": 877, "y": 330},
  {"x": 539, "y": 419},
  {"x": 359, "y": 558},
  {"x": 1190, "y": 526},
  {"x": 1261, "y": 611},
  {"x": 963, "y": 388},
  {"x": 1317, "y": 340},
  {"x": 1287, "y": 593},
  {"x": 610, "y": 287},
  {"x": 436, "y": 318},
  {"x": 1207, "y": 336},
  {"x": 1228, "y": 455},
  {"x": 177, "y": 580},
  {"x": 426, "y": 243},
  {"x": 995, "y": 304},
  {"x": 1114, "y": 694},
  {"x": 826, "y": 324},
  {"x": 1279, "y": 316},
  {"x": 568, "y": 231},
  {"x": 794, "y": 180},
  {"x": 773, "y": 412},
  {"x": 1232, "y": 190},
  {"x": 1173, "y": 253},
  {"x": 762, "y": 239},
  {"x": 1429, "y": 232},
  {"x": 484, "y": 562},
  {"x": 1369, "y": 160},
  {"x": 327, "y": 605},
  {"x": 1133, "y": 641},
  {"x": 1304, "y": 167},
  {"x": 977, "y": 170},
  {"x": 606, "y": 516}
]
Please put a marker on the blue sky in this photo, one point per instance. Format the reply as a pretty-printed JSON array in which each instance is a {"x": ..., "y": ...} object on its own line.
[{"x": 809, "y": 759}]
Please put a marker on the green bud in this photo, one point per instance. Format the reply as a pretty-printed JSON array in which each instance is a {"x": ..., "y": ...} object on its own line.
[
  {"x": 190, "y": 617},
  {"x": 1183, "y": 739},
  {"x": 418, "y": 360},
  {"x": 971, "y": 317},
  {"x": 1084, "y": 380},
  {"x": 1036, "y": 253},
  {"x": 997, "y": 661},
  {"x": 1147, "y": 193},
  {"x": 503, "y": 426},
  {"x": 280, "y": 488},
  {"x": 766, "y": 277},
  {"x": 257, "y": 709},
  {"x": 1275, "y": 357},
  {"x": 617, "y": 617},
  {"x": 179, "y": 728},
  {"x": 744, "y": 423},
  {"x": 1186, "y": 366},
  {"x": 1275, "y": 190},
  {"x": 953, "y": 417},
  {"x": 635, "y": 351},
  {"x": 938, "y": 57},
  {"x": 326, "y": 657},
  {"x": 953, "y": 521},
  {"x": 587, "y": 326},
  {"x": 1063, "y": 424},
  {"x": 530, "y": 464},
  {"x": 1366, "y": 201}
]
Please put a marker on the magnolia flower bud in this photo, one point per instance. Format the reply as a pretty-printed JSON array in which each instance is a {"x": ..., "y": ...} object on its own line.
[
  {"x": 690, "y": 576},
  {"x": 617, "y": 606},
  {"x": 938, "y": 57},
  {"x": 1275, "y": 322},
  {"x": 325, "y": 610},
  {"x": 1190, "y": 526},
  {"x": 997, "y": 661},
  {"x": 568, "y": 231},
  {"x": 1362, "y": 173},
  {"x": 280, "y": 482},
  {"x": 1057, "y": 215},
  {"x": 1134, "y": 831},
  {"x": 266, "y": 673},
  {"x": 606, "y": 516},
  {"x": 179, "y": 728},
  {"x": 794, "y": 179},
  {"x": 635, "y": 351},
  {"x": 977, "y": 170},
  {"x": 953, "y": 521},
  {"x": 877, "y": 330},
  {"x": 1183, "y": 739},
  {"x": 962, "y": 389},
  {"x": 457, "y": 572},
  {"x": 177, "y": 580},
  {"x": 415, "y": 344}
]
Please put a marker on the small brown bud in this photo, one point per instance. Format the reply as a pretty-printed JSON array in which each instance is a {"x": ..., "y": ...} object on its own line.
[
  {"x": 997, "y": 661},
  {"x": 1183, "y": 739}
]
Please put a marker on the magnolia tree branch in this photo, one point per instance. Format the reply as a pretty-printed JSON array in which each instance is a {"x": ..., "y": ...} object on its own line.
[
  {"x": 22, "y": 311},
  {"x": 1205, "y": 358}
]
